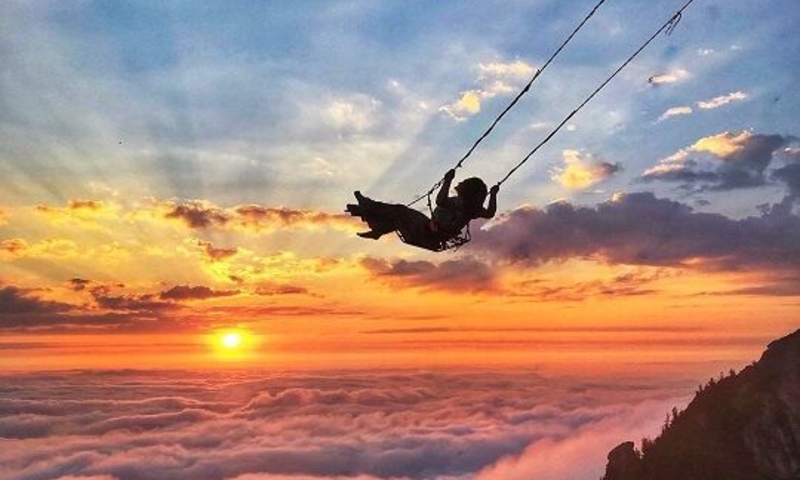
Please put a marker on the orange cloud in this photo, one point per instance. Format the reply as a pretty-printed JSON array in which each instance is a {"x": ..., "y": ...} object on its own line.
[
  {"x": 202, "y": 214},
  {"x": 50, "y": 248},
  {"x": 215, "y": 253},
  {"x": 3, "y": 217},
  {"x": 257, "y": 218},
  {"x": 627, "y": 284},
  {"x": 722, "y": 144},
  {"x": 85, "y": 212},
  {"x": 14, "y": 247},
  {"x": 581, "y": 171},
  {"x": 270, "y": 289}
]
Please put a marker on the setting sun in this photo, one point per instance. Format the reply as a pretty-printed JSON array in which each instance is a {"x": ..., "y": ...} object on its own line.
[
  {"x": 358, "y": 240},
  {"x": 232, "y": 344},
  {"x": 231, "y": 340}
]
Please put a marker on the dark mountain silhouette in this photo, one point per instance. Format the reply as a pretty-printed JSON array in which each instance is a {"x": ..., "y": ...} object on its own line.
[{"x": 745, "y": 426}]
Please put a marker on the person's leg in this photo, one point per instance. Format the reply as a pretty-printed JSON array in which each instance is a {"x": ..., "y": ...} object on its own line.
[
  {"x": 414, "y": 227},
  {"x": 379, "y": 216},
  {"x": 353, "y": 210},
  {"x": 384, "y": 218}
]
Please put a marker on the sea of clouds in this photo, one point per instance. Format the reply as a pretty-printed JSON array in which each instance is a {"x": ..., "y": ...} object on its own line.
[{"x": 479, "y": 425}]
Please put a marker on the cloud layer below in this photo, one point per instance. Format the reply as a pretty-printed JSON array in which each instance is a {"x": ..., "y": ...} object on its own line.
[{"x": 360, "y": 426}]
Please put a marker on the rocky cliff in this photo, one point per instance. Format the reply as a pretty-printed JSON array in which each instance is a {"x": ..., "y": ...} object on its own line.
[{"x": 745, "y": 426}]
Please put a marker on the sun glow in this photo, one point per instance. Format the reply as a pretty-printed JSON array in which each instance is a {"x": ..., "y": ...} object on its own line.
[
  {"x": 232, "y": 344},
  {"x": 231, "y": 340}
]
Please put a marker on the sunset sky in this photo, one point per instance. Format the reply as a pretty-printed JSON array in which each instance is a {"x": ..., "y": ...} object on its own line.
[{"x": 175, "y": 172}]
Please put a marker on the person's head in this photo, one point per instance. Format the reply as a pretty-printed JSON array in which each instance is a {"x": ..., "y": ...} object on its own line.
[{"x": 473, "y": 191}]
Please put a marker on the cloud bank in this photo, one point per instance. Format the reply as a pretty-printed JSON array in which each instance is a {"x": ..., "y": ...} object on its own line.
[
  {"x": 641, "y": 229},
  {"x": 739, "y": 160},
  {"x": 394, "y": 425}
]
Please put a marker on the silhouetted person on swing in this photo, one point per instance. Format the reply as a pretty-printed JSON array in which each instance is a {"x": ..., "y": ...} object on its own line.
[{"x": 450, "y": 216}]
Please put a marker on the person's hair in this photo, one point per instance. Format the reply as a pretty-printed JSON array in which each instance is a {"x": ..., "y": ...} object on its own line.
[{"x": 473, "y": 191}]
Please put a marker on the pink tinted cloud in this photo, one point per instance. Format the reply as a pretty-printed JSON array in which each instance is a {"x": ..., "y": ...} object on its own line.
[
  {"x": 457, "y": 275},
  {"x": 641, "y": 229},
  {"x": 364, "y": 425},
  {"x": 559, "y": 458}
]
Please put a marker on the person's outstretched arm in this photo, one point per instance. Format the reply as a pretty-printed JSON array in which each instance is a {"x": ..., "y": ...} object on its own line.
[
  {"x": 444, "y": 191},
  {"x": 491, "y": 209}
]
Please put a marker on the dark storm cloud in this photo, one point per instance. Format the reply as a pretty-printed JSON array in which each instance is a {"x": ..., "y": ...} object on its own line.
[
  {"x": 184, "y": 426},
  {"x": 464, "y": 274},
  {"x": 742, "y": 162},
  {"x": 640, "y": 229}
]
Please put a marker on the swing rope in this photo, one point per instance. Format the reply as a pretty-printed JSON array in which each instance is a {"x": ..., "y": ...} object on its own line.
[
  {"x": 516, "y": 99},
  {"x": 668, "y": 27}
]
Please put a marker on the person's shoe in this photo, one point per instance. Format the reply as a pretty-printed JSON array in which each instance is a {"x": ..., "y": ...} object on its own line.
[
  {"x": 353, "y": 209},
  {"x": 370, "y": 234},
  {"x": 361, "y": 198}
]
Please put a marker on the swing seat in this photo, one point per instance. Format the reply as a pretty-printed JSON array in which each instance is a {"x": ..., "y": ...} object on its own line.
[{"x": 446, "y": 242}]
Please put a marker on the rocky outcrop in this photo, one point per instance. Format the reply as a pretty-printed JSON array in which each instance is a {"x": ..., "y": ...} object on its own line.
[
  {"x": 742, "y": 427},
  {"x": 623, "y": 462}
]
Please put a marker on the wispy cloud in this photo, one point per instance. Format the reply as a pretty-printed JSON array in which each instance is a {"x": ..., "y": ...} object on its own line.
[
  {"x": 194, "y": 292},
  {"x": 722, "y": 100},
  {"x": 86, "y": 212},
  {"x": 670, "y": 77},
  {"x": 494, "y": 79},
  {"x": 633, "y": 283},
  {"x": 711, "y": 104},
  {"x": 674, "y": 112}
]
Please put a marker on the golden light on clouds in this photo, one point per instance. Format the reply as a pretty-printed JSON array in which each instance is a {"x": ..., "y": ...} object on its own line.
[
  {"x": 581, "y": 170},
  {"x": 722, "y": 144},
  {"x": 231, "y": 340}
]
